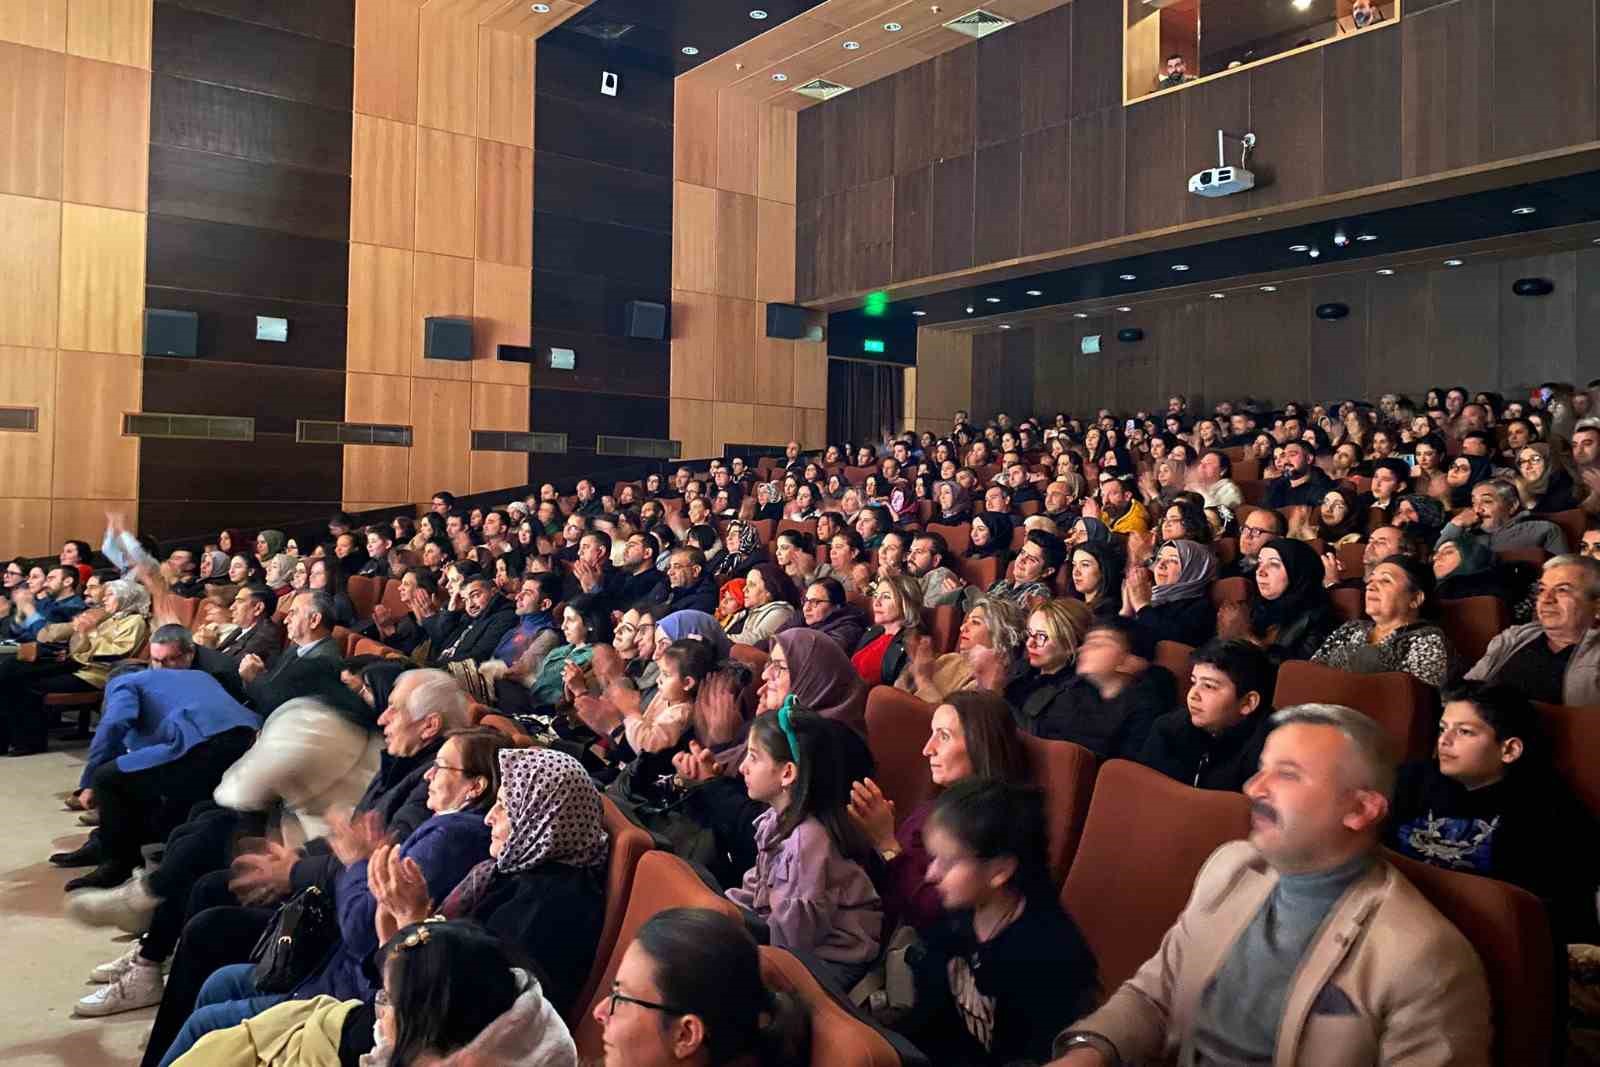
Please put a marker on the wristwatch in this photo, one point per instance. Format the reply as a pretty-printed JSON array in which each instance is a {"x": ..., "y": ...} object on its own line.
[
  {"x": 1074, "y": 1039},
  {"x": 890, "y": 854}
]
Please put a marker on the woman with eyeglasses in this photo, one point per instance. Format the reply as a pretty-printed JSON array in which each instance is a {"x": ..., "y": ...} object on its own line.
[
  {"x": 990, "y": 637},
  {"x": 1543, "y": 482}
]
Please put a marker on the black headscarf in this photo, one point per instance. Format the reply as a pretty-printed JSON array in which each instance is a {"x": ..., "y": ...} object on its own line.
[
  {"x": 1482, "y": 471},
  {"x": 1304, "y": 594},
  {"x": 1000, "y": 526}
]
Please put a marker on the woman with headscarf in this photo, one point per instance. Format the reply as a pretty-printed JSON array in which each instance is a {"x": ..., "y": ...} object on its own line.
[
  {"x": 730, "y": 601},
  {"x": 1462, "y": 474},
  {"x": 1423, "y": 513},
  {"x": 990, "y": 536},
  {"x": 214, "y": 566},
  {"x": 954, "y": 502},
  {"x": 1339, "y": 518},
  {"x": 1288, "y": 612},
  {"x": 741, "y": 550},
  {"x": 819, "y": 675},
  {"x": 280, "y": 573},
  {"x": 231, "y": 541},
  {"x": 1087, "y": 531},
  {"x": 1174, "y": 602},
  {"x": 268, "y": 544},
  {"x": 1466, "y": 566},
  {"x": 1543, "y": 483},
  {"x": 771, "y": 603}
]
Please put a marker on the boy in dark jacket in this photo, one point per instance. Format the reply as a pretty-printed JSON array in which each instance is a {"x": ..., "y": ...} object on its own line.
[
  {"x": 1110, "y": 702},
  {"x": 1215, "y": 741}
]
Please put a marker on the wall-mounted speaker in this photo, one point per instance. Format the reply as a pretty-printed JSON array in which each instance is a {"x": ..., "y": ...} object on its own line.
[
  {"x": 645, "y": 319},
  {"x": 447, "y": 338},
  {"x": 513, "y": 353},
  {"x": 1332, "y": 311},
  {"x": 1533, "y": 287},
  {"x": 1129, "y": 335},
  {"x": 787, "y": 322},
  {"x": 171, "y": 333}
]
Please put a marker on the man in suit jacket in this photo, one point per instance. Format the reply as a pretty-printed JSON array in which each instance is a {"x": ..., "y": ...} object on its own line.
[
  {"x": 488, "y": 618},
  {"x": 258, "y": 634},
  {"x": 306, "y": 663},
  {"x": 1302, "y": 945}
]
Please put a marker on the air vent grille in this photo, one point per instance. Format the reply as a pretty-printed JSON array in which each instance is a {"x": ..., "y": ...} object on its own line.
[
  {"x": 979, "y": 23},
  {"x": 637, "y": 447},
  {"x": 609, "y": 32},
  {"x": 516, "y": 441},
  {"x": 313, "y": 432},
  {"x": 189, "y": 427},
  {"x": 821, "y": 89},
  {"x": 19, "y": 420}
]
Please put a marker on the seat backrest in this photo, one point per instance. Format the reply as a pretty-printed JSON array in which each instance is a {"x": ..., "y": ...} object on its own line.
[
  {"x": 838, "y": 1038},
  {"x": 756, "y": 658},
  {"x": 1572, "y": 524},
  {"x": 1019, "y": 537},
  {"x": 1030, "y": 507},
  {"x": 394, "y": 599},
  {"x": 1246, "y": 469},
  {"x": 1352, "y": 558},
  {"x": 345, "y": 639},
  {"x": 1178, "y": 659},
  {"x": 1230, "y": 591},
  {"x": 365, "y": 594},
  {"x": 1226, "y": 549},
  {"x": 629, "y": 842},
  {"x": 957, "y": 536},
  {"x": 1253, "y": 490},
  {"x": 660, "y": 881},
  {"x": 1574, "y": 736},
  {"x": 942, "y": 624},
  {"x": 897, "y": 728},
  {"x": 803, "y": 525},
  {"x": 1472, "y": 622},
  {"x": 857, "y": 475},
  {"x": 1533, "y": 555},
  {"x": 979, "y": 572},
  {"x": 1511, "y": 932},
  {"x": 1405, "y": 707},
  {"x": 1144, "y": 841},
  {"x": 1065, "y": 773},
  {"x": 1348, "y": 604}
]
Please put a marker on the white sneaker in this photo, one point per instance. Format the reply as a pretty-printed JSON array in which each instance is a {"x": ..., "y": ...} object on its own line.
[
  {"x": 140, "y": 986},
  {"x": 128, "y": 907},
  {"x": 110, "y": 972}
]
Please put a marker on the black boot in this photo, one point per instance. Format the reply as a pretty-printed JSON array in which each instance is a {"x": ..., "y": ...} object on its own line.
[
  {"x": 106, "y": 876},
  {"x": 89, "y": 854},
  {"x": 28, "y": 729}
]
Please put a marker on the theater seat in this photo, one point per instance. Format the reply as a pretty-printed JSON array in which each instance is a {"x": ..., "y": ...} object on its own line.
[
  {"x": 1178, "y": 659},
  {"x": 661, "y": 881},
  {"x": 365, "y": 594},
  {"x": 957, "y": 537},
  {"x": 394, "y": 600},
  {"x": 1065, "y": 772},
  {"x": 1535, "y": 556},
  {"x": 751, "y": 655},
  {"x": 1230, "y": 591},
  {"x": 1472, "y": 622},
  {"x": 1574, "y": 736},
  {"x": 979, "y": 572},
  {"x": 487, "y": 717},
  {"x": 897, "y": 728},
  {"x": 1246, "y": 468},
  {"x": 1407, "y": 709},
  {"x": 1144, "y": 841},
  {"x": 766, "y": 529},
  {"x": 1253, "y": 490},
  {"x": 808, "y": 526},
  {"x": 1572, "y": 524},
  {"x": 1509, "y": 928},
  {"x": 838, "y": 1038},
  {"x": 1352, "y": 558},
  {"x": 942, "y": 625},
  {"x": 1348, "y": 604},
  {"x": 629, "y": 842},
  {"x": 344, "y": 639},
  {"x": 1226, "y": 549}
]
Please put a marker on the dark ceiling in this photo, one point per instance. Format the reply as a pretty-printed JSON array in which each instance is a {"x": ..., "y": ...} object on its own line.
[{"x": 653, "y": 33}]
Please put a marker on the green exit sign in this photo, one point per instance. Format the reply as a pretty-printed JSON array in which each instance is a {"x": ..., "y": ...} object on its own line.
[{"x": 870, "y": 345}]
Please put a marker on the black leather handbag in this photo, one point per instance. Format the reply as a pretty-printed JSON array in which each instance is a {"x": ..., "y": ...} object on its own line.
[{"x": 299, "y": 938}]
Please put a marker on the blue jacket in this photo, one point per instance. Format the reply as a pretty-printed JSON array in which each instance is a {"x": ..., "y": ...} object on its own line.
[
  {"x": 155, "y": 716},
  {"x": 50, "y": 611},
  {"x": 522, "y": 635}
]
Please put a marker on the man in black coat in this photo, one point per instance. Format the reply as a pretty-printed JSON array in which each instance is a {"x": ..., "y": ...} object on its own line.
[
  {"x": 692, "y": 589},
  {"x": 1108, "y": 702},
  {"x": 1215, "y": 741},
  {"x": 478, "y": 632},
  {"x": 1303, "y": 483}
]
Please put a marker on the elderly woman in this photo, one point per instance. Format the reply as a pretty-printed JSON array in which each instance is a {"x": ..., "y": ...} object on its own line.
[
  {"x": 993, "y": 628},
  {"x": 770, "y": 604},
  {"x": 896, "y": 610},
  {"x": 1543, "y": 484},
  {"x": 741, "y": 550},
  {"x": 1396, "y": 635},
  {"x": 1172, "y": 601}
]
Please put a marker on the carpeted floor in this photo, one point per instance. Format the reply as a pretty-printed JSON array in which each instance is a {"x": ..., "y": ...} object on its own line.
[{"x": 47, "y": 957}]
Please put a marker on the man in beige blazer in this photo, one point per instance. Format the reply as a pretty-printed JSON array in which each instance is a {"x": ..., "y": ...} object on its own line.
[{"x": 1302, "y": 947}]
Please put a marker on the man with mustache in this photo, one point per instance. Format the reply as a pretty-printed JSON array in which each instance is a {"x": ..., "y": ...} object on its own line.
[{"x": 1302, "y": 945}]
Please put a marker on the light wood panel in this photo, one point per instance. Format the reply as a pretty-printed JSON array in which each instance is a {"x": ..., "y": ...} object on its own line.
[
  {"x": 447, "y": 179},
  {"x": 91, "y": 457},
  {"x": 738, "y": 120},
  {"x": 771, "y": 424},
  {"x": 505, "y": 87},
  {"x": 370, "y": 471},
  {"x": 810, "y": 375},
  {"x": 85, "y": 520},
  {"x": 440, "y": 443},
  {"x": 736, "y": 245},
  {"x": 39, "y": 23},
  {"x": 383, "y": 183},
  {"x": 102, "y": 279},
  {"x": 811, "y": 426},
  {"x": 944, "y": 375},
  {"x": 691, "y": 425},
  {"x": 24, "y": 527},
  {"x": 693, "y": 344},
  {"x": 106, "y": 147},
  {"x": 27, "y": 379},
  {"x": 32, "y": 103},
  {"x": 502, "y": 313},
  {"x": 694, "y": 132},
  {"x": 694, "y": 237},
  {"x": 30, "y": 262},
  {"x": 775, "y": 150},
  {"x": 505, "y": 204},
  {"x": 498, "y": 407},
  {"x": 381, "y": 337},
  {"x": 772, "y": 367},
  {"x": 737, "y": 324},
  {"x": 116, "y": 31},
  {"x": 447, "y": 71},
  {"x": 441, "y": 286},
  {"x": 733, "y": 423},
  {"x": 386, "y": 58},
  {"x": 775, "y": 226}
]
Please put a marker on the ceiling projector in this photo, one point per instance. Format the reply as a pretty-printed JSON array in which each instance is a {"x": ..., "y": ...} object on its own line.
[{"x": 1223, "y": 180}]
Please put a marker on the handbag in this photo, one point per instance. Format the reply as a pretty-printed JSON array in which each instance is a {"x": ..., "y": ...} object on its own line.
[{"x": 301, "y": 935}]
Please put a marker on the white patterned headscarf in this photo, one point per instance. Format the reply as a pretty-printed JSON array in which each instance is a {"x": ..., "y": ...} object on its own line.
[{"x": 554, "y": 810}]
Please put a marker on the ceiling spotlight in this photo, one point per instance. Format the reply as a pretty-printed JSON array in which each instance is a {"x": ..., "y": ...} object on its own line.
[
  {"x": 1386, "y": 271},
  {"x": 919, "y": 314},
  {"x": 1366, "y": 237},
  {"x": 970, "y": 309},
  {"x": 851, "y": 46},
  {"x": 991, "y": 300},
  {"x": 1299, "y": 248},
  {"x": 892, "y": 27},
  {"x": 1523, "y": 210},
  {"x": 1219, "y": 296},
  {"x": 690, "y": 50},
  {"x": 1269, "y": 288},
  {"x": 1035, "y": 292},
  {"x": 1124, "y": 307},
  {"x": 1315, "y": 253},
  {"x": 780, "y": 77},
  {"x": 1127, "y": 277},
  {"x": 1452, "y": 263},
  {"x": 758, "y": 14},
  {"x": 1005, "y": 326},
  {"x": 1080, "y": 315},
  {"x": 1180, "y": 267},
  {"x": 1340, "y": 238},
  {"x": 1302, "y": 5},
  {"x": 541, "y": 9}
]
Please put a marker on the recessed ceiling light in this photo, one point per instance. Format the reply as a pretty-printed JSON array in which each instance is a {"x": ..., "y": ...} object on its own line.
[
  {"x": 758, "y": 14},
  {"x": 1180, "y": 267},
  {"x": 1127, "y": 277},
  {"x": 1523, "y": 210},
  {"x": 1299, "y": 248},
  {"x": 542, "y": 9},
  {"x": 780, "y": 77},
  {"x": 1366, "y": 237},
  {"x": 690, "y": 50},
  {"x": 1386, "y": 271},
  {"x": 1005, "y": 326},
  {"x": 1596, "y": 241},
  {"x": 970, "y": 309},
  {"x": 1452, "y": 263},
  {"x": 1080, "y": 315},
  {"x": 1269, "y": 288},
  {"x": 1219, "y": 296},
  {"x": 991, "y": 300},
  {"x": 1124, "y": 307},
  {"x": 1302, "y": 5},
  {"x": 919, "y": 314},
  {"x": 851, "y": 46},
  {"x": 892, "y": 27},
  {"x": 1035, "y": 292}
]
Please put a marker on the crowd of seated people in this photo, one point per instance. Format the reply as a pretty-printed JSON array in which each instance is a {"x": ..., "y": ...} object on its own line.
[{"x": 697, "y": 652}]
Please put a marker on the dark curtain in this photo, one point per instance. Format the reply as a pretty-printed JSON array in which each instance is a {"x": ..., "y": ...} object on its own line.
[{"x": 865, "y": 401}]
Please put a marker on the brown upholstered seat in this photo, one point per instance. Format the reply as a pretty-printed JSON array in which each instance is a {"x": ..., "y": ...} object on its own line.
[
  {"x": 629, "y": 843},
  {"x": 1065, "y": 772},
  {"x": 1472, "y": 622},
  {"x": 897, "y": 728},
  {"x": 1405, "y": 707},
  {"x": 838, "y": 1038}
]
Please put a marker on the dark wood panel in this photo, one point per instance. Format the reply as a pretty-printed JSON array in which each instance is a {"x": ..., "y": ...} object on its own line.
[
  {"x": 1096, "y": 52},
  {"x": 833, "y": 249},
  {"x": 564, "y": 71},
  {"x": 955, "y": 103},
  {"x": 1446, "y": 87},
  {"x": 1538, "y": 334},
  {"x": 913, "y": 118},
  {"x": 1544, "y": 75},
  {"x": 1045, "y": 196},
  {"x": 193, "y": 44},
  {"x": 202, "y": 185},
  {"x": 317, "y": 332},
  {"x": 584, "y": 304},
  {"x": 999, "y": 118},
  {"x": 952, "y": 211},
  {"x": 1046, "y": 69},
  {"x": 279, "y": 470},
  {"x": 605, "y": 364},
  {"x": 808, "y": 157},
  {"x": 1465, "y": 323},
  {"x": 597, "y": 192},
  {"x": 1338, "y": 363},
  {"x": 841, "y": 162},
  {"x": 582, "y": 415},
  {"x": 875, "y": 130},
  {"x": 1362, "y": 136},
  {"x": 1096, "y": 190},
  {"x": 1223, "y": 104},
  {"x": 219, "y": 258},
  {"x": 1285, "y": 109},
  {"x": 214, "y": 118},
  {"x": 870, "y": 210},
  {"x": 996, "y": 232},
  {"x": 1157, "y": 177},
  {"x": 605, "y": 134},
  {"x": 274, "y": 396},
  {"x": 200, "y": 520},
  {"x": 1588, "y": 368},
  {"x": 807, "y": 224},
  {"x": 326, "y": 20},
  {"x": 583, "y": 247},
  {"x": 1398, "y": 347},
  {"x": 913, "y": 228}
]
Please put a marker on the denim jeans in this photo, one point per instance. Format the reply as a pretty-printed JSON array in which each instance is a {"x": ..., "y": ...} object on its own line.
[{"x": 226, "y": 999}]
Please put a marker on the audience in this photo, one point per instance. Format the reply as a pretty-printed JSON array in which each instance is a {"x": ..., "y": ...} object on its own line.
[
  {"x": 1215, "y": 741},
  {"x": 1396, "y": 635},
  {"x": 1555, "y": 658}
]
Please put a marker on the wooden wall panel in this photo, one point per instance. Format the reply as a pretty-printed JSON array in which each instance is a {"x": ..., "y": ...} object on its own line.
[
  {"x": 1285, "y": 109},
  {"x": 1336, "y": 368},
  {"x": 25, "y": 527},
  {"x": 775, "y": 228},
  {"x": 694, "y": 348},
  {"x": 1538, "y": 335},
  {"x": 370, "y": 472},
  {"x": 386, "y": 58},
  {"x": 498, "y": 407},
  {"x": 773, "y": 366},
  {"x": 32, "y": 105},
  {"x": 102, "y": 279},
  {"x": 811, "y": 427},
  {"x": 1446, "y": 87},
  {"x": 735, "y": 245},
  {"x": 737, "y": 130},
  {"x": 91, "y": 455},
  {"x": 195, "y": 254},
  {"x": 694, "y": 237},
  {"x": 1544, "y": 51},
  {"x": 227, "y": 329},
  {"x": 1095, "y": 192},
  {"x": 324, "y": 20},
  {"x": 505, "y": 87},
  {"x": 738, "y": 325},
  {"x": 383, "y": 208},
  {"x": 1096, "y": 77},
  {"x": 447, "y": 189},
  {"x": 913, "y": 227},
  {"x": 36, "y": 23},
  {"x": 447, "y": 70},
  {"x": 955, "y": 112},
  {"x": 225, "y": 51},
  {"x": 950, "y": 206},
  {"x": 810, "y": 375},
  {"x": 691, "y": 422},
  {"x": 241, "y": 192},
  {"x": 1222, "y": 104},
  {"x": 944, "y": 375},
  {"x": 30, "y": 268},
  {"x": 999, "y": 87},
  {"x": 84, "y": 520},
  {"x": 1397, "y": 337},
  {"x": 28, "y": 379},
  {"x": 736, "y": 423},
  {"x": 440, "y": 443},
  {"x": 775, "y": 151},
  {"x": 381, "y": 335},
  {"x": 440, "y": 286},
  {"x": 1151, "y": 176},
  {"x": 232, "y": 122},
  {"x": 502, "y": 304},
  {"x": 1364, "y": 142},
  {"x": 997, "y": 222},
  {"x": 116, "y": 31},
  {"x": 1465, "y": 322},
  {"x": 505, "y": 204},
  {"x": 105, "y": 155},
  {"x": 1046, "y": 70}
]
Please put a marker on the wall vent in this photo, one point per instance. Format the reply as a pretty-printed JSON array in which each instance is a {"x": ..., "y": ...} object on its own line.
[
  {"x": 19, "y": 420},
  {"x": 609, "y": 32},
  {"x": 637, "y": 447},
  {"x": 314, "y": 432},
  {"x": 821, "y": 89},
  {"x": 189, "y": 427},
  {"x": 979, "y": 23},
  {"x": 517, "y": 441}
]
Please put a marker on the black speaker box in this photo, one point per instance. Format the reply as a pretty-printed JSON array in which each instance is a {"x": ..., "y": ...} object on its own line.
[
  {"x": 645, "y": 319},
  {"x": 1329, "y": 312},
  {"x": 171, "y": 333},
  {"x": 446, "y": 338},
  {"x": 1129, "y": 335},
  {"x": 1533, "y": 287},
  {"x": 787, "y": 322}
]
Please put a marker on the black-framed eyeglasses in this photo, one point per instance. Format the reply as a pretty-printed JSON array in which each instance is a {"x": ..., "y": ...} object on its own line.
[
  {"x": 437, "y": 766},
  {"x": 619, "y": 997}
]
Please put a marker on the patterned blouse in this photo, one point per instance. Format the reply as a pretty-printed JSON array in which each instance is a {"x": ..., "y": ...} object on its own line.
[{"x": 1420, "y": 649}]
